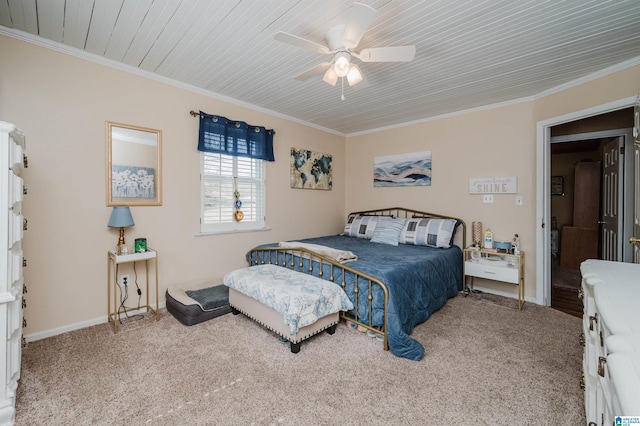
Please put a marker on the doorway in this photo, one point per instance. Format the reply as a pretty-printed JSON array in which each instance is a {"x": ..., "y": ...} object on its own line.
[
  {"x": 580, "y": 136},
  {"x": 588, "y": 209}
]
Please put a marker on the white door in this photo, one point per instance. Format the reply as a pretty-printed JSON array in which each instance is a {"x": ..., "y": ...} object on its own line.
[{"x": 612, "y": 190}]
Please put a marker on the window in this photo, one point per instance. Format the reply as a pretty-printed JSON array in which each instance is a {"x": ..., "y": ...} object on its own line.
[{"x": 220, "y": 175}]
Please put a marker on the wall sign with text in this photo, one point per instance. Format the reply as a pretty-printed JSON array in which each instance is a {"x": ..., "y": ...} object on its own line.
[{"x": 493, "y": 185}]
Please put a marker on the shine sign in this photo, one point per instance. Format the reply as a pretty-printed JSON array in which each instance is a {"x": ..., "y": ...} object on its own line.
[{"x": 493, "y": 185}]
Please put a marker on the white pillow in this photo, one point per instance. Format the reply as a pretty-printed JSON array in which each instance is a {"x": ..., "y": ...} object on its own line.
[{"x": 388, "y": 230}]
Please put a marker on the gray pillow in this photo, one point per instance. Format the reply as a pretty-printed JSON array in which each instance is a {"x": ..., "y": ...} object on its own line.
[{"x": 388, "y": 230}]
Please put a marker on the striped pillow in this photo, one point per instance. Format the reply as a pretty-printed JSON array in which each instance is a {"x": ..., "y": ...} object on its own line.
[
  {"x": 361, "y": 226},
  {"x": 388, "y": 231},
  {"x": 428, "y": 232}
]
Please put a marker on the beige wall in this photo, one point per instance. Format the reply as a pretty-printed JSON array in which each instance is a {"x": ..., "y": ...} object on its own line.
[
  {"x": 61, "y": 103},
  {"x": 499, "y": 141},
  {"x": 613, "y": 87},
  {"x": 494, "y": 142}
]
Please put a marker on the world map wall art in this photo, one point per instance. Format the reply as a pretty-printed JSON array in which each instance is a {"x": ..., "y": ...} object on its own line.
[
  {"x": 310, "y": 170},
  {"x": 413, "y": 169}
]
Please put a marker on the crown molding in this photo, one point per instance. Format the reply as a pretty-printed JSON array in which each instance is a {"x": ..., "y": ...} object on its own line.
[{"x": 101, "y": 60}]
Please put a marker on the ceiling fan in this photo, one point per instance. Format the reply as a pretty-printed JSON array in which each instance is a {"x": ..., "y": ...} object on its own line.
[{"x": 341, "y": 40}]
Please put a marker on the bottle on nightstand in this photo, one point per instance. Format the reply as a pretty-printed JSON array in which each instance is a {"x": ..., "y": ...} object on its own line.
[{"x": 488, "y": 239}]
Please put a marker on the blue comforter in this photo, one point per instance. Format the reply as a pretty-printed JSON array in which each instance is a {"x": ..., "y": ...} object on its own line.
[{"x": 419, "y": 279}]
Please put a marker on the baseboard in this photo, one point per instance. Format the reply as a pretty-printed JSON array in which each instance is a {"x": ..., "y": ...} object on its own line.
[
  {"x": 32, "y": 337},
  {"x": 504, "y": 294}
]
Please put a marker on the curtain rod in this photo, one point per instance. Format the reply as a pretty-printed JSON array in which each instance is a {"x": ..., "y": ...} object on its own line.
[{"x": 197, "y": 114}]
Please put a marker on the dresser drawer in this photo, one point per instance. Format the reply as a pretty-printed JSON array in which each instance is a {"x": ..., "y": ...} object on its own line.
[{"x": 491, "y": 270}]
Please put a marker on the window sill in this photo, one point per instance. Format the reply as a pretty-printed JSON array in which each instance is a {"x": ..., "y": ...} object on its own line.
[{"x": 232, "y": 231}]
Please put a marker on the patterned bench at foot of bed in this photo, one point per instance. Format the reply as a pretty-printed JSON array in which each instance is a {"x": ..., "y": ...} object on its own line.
[{"x": 294, "y": 305}]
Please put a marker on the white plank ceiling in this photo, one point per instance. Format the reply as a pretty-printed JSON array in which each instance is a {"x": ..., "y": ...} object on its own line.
[{"x": 470, "y": 53}]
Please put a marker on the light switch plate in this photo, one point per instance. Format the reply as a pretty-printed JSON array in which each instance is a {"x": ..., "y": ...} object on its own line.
[
  {"x": 519, "y": 200},
  {"x": 487, "y": 198}
]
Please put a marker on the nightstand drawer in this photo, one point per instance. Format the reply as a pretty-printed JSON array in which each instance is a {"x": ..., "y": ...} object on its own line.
[{"x": 498, "y": 272}]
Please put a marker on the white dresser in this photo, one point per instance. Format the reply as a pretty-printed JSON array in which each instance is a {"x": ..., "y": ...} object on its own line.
[
  {"x": 611, "y": 326},
  {"x": 12, "y": 146}
]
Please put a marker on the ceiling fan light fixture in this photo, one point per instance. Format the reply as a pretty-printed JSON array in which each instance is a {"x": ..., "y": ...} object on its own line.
[
  {"x": 341, "y": 64},
  {"x": 330, "y": 77},
  {"x": 354, "y": 76}
]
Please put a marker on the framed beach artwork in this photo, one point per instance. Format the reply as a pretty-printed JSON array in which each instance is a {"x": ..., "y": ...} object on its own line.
[
  {"x": 413, "y": 169},
  {"x": 310, "y": 170}
]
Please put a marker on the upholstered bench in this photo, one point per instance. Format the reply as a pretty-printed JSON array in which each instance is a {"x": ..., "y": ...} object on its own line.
[
  {"x": 292, "y": 304},
  {"x": 195, "y": 306}
]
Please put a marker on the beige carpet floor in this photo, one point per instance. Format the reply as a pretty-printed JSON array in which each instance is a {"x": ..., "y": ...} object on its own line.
[{"x": 485, "y": 364}]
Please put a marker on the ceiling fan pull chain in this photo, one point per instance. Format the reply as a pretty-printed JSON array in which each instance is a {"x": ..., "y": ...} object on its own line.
[{"x": 342, "y": 83}]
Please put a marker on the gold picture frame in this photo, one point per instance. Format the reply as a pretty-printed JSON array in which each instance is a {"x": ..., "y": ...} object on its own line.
[{"x": 134, "y": 165}]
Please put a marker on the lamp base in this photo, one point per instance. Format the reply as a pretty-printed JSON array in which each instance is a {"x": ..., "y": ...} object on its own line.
[{"x": 121, "y": 239}]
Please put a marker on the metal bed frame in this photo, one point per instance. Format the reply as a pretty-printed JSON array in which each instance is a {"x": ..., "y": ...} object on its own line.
[{"x": 292, "y": 258}]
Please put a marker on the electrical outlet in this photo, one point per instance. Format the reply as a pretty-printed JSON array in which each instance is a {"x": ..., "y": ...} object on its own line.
[
  {"x": 487, "y": 198},
  {"x": 124, "y": 280}
]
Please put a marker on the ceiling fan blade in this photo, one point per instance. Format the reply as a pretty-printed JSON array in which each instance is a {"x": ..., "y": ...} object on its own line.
[
  {"x": 318, "y": 69},
  {"x": 301, "y": 42},
  {"x": 360, "y": 17},
  {"x": 388, "y": 54}
]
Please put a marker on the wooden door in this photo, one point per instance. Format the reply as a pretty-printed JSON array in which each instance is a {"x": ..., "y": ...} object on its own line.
[
  {"x": 612, "y": 190},
  {"x": 586, "y": 194},
  {"x": 635, "y": 240}
]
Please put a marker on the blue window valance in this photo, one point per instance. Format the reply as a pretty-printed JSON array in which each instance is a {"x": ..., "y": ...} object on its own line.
[{"x": 223, "y": 136}]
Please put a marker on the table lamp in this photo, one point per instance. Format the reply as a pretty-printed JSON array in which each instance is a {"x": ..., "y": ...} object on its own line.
[{"x": 120, "y": 218}]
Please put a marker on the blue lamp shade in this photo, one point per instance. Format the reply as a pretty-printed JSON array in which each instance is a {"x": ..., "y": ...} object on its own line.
[{"x": 120, "y": 218}]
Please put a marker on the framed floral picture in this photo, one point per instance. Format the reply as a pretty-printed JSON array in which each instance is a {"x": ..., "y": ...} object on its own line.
[{"x": 557, "y": 185}]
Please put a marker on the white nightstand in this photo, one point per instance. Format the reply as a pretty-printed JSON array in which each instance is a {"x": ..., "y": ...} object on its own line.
[
  {"x": 113, "y": 260},
  {"x": 508, "y": 268}
]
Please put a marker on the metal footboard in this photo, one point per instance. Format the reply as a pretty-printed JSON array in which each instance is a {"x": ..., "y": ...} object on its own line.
[{"x": 306, "y": 261}]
